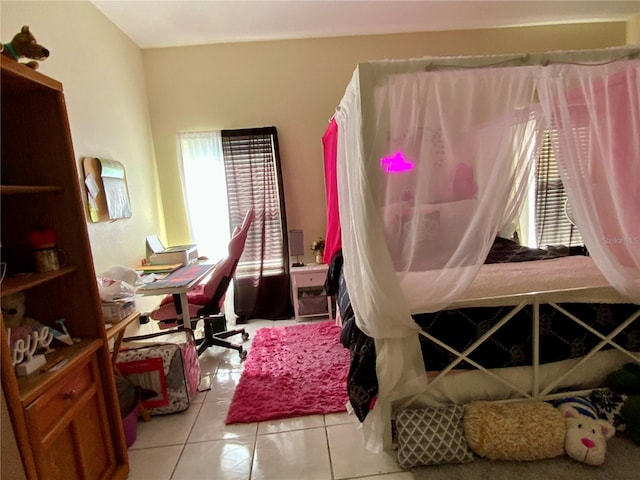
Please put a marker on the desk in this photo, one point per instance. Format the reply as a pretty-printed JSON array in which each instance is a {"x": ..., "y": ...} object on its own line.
[
  {"x": 313, "y": 275},
  {"x": 178, "y": 283},
  {"x": 116, "y": 331}
]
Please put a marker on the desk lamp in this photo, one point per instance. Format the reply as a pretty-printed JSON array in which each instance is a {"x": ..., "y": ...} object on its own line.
[{"x": 296, "y": 246}]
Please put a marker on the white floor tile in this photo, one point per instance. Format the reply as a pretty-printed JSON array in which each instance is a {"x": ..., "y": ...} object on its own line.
[
  {"x": 223, "y": 384},
  {"x": 210, "y": 425},
  {"x": 350, "y": 458},
  {"x": 199, "y": 397},
  {"x": 208, "y": 364},
  {"x": 229, "y": 358},
  {"x": 222, "y": 459},
  {"x": 164, "y": 430},
  {"x": 340, "y": 419},
  {"x": 290, "y": 424},
  {"x": 254, "y": 325},
  {"x": 297, "y": 455},
  {"x": 156, "y": 463},
  {"x": 219, "y": 397},
  {"x": 197, "y": 445},
  {"x": 391, "y": 476},
  {"x": 286, "y": 323}
]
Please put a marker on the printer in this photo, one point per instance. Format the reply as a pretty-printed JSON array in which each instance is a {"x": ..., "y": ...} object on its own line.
[{"x": 157, "y": 253}]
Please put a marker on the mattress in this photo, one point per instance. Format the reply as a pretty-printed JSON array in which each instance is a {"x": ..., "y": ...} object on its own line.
[{"x": 563, "y": 279}]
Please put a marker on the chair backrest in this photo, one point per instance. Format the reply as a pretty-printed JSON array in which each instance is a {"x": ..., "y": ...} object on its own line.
[{"x": 216, "y": 287}]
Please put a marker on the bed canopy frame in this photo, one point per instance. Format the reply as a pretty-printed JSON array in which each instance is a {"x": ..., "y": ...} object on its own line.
[{"x": 434, "y": 159}]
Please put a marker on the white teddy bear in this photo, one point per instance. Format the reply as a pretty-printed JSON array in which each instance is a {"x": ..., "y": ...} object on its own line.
[
  {"x": 13, "y": 313},
  {"x": 586, "y": 435}
]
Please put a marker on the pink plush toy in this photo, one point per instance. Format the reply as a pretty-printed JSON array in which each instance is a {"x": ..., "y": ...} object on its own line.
[
  {"x": 464, "y": 182},
  {"x": 586, "y": 435}
]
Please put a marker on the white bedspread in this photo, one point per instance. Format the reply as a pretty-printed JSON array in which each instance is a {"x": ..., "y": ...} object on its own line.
[{"x": 566, "y": 279}]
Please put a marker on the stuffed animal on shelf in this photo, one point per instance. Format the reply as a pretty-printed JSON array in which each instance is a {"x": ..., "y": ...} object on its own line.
[
  {"x": 24, "y": 45},
  {"x": 13, "y": 313},
  {"x": 586, "y": 434},
  {"x": 21, "y": 326}
]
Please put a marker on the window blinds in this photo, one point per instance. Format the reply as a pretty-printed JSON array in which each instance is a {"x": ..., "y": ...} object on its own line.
[
  {"x": 252, "y": 170},
  {"x": 553, "y": 227}
]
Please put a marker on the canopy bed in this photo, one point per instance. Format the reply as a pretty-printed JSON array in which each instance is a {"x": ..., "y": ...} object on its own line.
[{"x": 430, "y": 162}]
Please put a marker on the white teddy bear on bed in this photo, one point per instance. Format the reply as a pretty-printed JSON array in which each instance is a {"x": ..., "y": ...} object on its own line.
[{"x": 586, "y": 435}]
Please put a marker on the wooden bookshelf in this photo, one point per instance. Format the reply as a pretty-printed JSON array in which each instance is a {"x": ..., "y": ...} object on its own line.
[{"x": 66, "y": 422}]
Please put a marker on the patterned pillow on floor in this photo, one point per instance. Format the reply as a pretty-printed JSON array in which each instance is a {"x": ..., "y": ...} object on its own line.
[
  {"x": 431, "y": 436},
  {"x": 609, "y": 405}
]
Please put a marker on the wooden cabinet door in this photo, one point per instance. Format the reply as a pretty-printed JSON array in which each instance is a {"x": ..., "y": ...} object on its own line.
[{"x": 69, "y": 431}]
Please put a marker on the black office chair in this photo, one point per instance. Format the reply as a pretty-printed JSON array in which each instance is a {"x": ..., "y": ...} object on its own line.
[{"x": 205, "y": 300}]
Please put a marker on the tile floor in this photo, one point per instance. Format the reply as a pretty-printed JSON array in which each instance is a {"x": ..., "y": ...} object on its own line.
[{"x": 197, "y": 445}]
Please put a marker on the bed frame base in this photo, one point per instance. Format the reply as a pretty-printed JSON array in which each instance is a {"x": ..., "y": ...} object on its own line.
[{"x": 538, "y": 391}]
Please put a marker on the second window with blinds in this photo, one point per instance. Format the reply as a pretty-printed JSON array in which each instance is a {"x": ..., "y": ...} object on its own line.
[{"x": 553, "y": 220}]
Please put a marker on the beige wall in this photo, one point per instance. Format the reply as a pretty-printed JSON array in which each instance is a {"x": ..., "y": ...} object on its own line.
[
  {"x": 295, "y": 85},
  {"x": 102, "y": 73},
  {"x": 633, "y": 31}
]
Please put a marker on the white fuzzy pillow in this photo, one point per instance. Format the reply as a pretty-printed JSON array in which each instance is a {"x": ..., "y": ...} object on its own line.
[{"x": 521, "y": 431}]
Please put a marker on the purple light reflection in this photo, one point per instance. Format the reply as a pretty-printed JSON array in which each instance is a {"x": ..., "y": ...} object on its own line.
[{"x": 396, "y": 163}]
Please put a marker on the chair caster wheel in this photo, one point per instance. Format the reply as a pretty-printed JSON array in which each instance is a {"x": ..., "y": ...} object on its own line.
[
  {"x": 245, "y": 336},
  {"x": 243, "y": 355}
]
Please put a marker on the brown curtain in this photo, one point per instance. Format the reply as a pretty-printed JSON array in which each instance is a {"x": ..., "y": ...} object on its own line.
[{"x": 254, "y": 179}]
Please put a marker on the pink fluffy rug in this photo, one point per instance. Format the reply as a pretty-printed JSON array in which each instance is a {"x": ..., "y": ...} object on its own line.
[{"x": 291, "y": 372}]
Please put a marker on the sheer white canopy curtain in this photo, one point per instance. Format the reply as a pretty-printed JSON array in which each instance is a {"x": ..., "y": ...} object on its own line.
[
  {"x": 203, "y": 184},
  {"x": 596, "y": 112},
  {"x": 205, "y": 191},
  {"x": 433, "y": 164}
]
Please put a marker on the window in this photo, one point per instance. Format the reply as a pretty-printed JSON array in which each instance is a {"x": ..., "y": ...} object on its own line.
[
  {"x": 552, "y": 224},
  {"x": 205, "y": 192},
  {"x": 226, "y": 173},
  {"x": 252, "y": 174}
]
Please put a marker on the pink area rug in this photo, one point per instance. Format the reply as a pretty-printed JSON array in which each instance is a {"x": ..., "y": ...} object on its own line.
[{"x": 290, "y": 372}]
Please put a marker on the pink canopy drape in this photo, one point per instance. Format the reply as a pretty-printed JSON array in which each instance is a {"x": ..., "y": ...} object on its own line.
[{"x": 333, "y": 241}]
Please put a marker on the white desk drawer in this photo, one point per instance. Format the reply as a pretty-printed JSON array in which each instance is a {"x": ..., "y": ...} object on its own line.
[{"x": 310, "y": 279}]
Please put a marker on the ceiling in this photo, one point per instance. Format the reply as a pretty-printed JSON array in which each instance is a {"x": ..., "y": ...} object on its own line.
[{"x": 166, "y": 23}]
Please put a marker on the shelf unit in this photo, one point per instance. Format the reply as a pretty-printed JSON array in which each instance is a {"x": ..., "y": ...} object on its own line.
[{"x": 66, "y": 422}]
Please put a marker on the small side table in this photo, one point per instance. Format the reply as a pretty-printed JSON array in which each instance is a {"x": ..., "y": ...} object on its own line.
[{"x": 312, "y": 275}]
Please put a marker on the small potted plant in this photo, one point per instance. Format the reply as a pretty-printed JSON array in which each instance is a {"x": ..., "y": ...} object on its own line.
[{"x": 318, "y": 248}]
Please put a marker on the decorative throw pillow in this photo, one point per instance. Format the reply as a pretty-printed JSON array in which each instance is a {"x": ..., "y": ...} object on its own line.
[
  {"x": 520, "y": 431},
  {"x": 431, "y": 436},
  {"x": 609, "y": 406}
]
